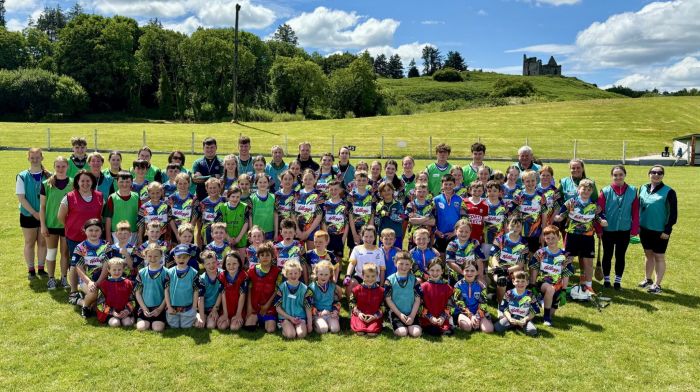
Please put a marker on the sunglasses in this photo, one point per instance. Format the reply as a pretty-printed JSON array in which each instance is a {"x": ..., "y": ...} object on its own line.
[{"x": 658, "y": 173}]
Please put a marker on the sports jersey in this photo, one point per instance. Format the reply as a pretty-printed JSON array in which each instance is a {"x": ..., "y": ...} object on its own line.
[
  {"x": 284, "y": 204},
  {"x": 551, "y": 203},
  {"x": 151, "y": 211},
  {"x": 462, "y": 253},
  {"x": 209, "y": 289},
  {"x": 251, "y": 255},
  {"x": 75, "y": 165},
  {"x": 294, "y": 300},
  {"x": 140, "y": 189},
  {"x": 461, "y": 191},
  {"x": 568, "y": 189},
  {"x": 469, "y": 298},
  {"x": 245, "y": 167},
  {"x": 91, "y": 257},
  {"x": 114, "y": 295},
  {"x": 362, "y": 256},
  {"x": 389, "y": 259},
  {"x": 183, "y": 210},
  {"x": 345, "y": 173},
  {"x": 130, "y": 248},
  {"x": 508, "y": 194},
  {"x": 435, "y": 174},
  {"x": 476, "y": 213},
  {"x": 193, "y": 251},
  {"x": 168, "y": 189},
  {"x": 324, "y": 297},
  {"x": 335, "y": 216},
  {"x": 233, "y": 287},
  {"x": 181, "y": 285},
  {"x": 54, "y": 194},
  {"x": 361, "y": 207},
  {"x": 447, "y": 213},
  {"x": 262, "y": 211},
  {"x": 221, "y": 250},
  {"x": 519, "y": 305},
  {"x": 421, "y": 260},
  {"x": 436, "y": 302},
  {"x": 550, "y": 265},
  {"x": 390, "y": 215},
  {"x": 530, "y": 206},
  {"x": 209, "y": 214},
  {"x": 368, "y": 300},
  {"x": 274, "y": 172},
  {"x": 312, "y": 257},
  {"x": 323, "y": 180},
  {"x": 494, "y": 221},
  {"x": 307, "y": 208},
  {"x": 207, "y": 168},
  {"x": 581, "y": 215},
  {"x": 139, "y": 257},
  {"x": 409, "y": 184},
  {"x": 235, "y": 218},
  {"x": 509, "y": 252},
  {"x": 105, "y": 185},
  {"x": 285, "y": 253},
  {"x": 119, "y": 208},
  {"x": 151, "y": 285},
  {"x": 403, "y": 291},
  {"x": 424, "y": 209},
  {"x": 229, "y": 182},
  {"x": 262, "y": 286}
]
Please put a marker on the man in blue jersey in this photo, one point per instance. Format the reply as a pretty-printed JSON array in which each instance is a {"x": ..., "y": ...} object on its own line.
[{"x": 448, "y": 210}]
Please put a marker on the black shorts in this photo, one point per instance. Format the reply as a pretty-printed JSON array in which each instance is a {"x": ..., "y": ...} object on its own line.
[
  {"x": 579, "y": 245},
  {"x": 335, "y": 244},
  {"x": 59, "y": 232},
  {"x": 651, "y": 240},
  {"x": 555, "y": 298},
  {"x": 396, "y": 322},
  {"x": 28, "y": 222},
  {"x": 533, "y": 244},
  {"x": 160, "y": 317}
]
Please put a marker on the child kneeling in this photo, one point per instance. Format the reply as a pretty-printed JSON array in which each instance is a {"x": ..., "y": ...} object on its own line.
[
  {"x": 293, "y": 302},
  {"x": 518, "y": 307}
]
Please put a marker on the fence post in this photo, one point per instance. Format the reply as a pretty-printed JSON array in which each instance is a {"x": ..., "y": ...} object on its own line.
[
  {"x": 333, "y": 144},
  {"x": 430, "y": 147},
  {"x": 527, "y": 141},
  {"x": 286, "y": 145},
  {"x": 575, "y": 147},
  {"x": 478, "y": 139},
  {"x": 381, "y": 154},
  {"x": 95, "y": 137},
  {"x": 48, "y": 139},
  {"x": 624, "y": 151},
  {"x": 144, "y": 138},
  {"x": 192, "y": 143}
]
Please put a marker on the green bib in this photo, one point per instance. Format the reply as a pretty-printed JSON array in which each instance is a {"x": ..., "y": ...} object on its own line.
[
  {"x": 263, "y": 212},
  {"x": 127, "y": 210},
  {"x": 53, "y": 202}
]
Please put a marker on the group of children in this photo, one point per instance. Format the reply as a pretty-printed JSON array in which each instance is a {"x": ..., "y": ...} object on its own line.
[{"x": 266, "y": 252}]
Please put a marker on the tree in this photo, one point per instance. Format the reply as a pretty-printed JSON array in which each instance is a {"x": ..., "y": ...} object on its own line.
[
  {"x": 13, "y": 50},
  {"x": 40, "y": 49},
  {"x": 286, "y": 34},
  {"x": 413, "y": 70},
  {"x": 395, "y": 67},
  {"x": 296, "y": 83},
  {"x": 51, "y": 21},
  {"x": 455, "y": 60},
  {"x": 432, "y": 60},
  {"x": 381, "y": 65},
  {"x": 2, "y": 13},
  {"x": 335, "y": 61},
  {"x": 355, "y": 89},
  {"x": 73, "y": 13}
]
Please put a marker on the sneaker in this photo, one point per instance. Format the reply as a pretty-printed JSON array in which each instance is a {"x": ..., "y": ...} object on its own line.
[
  {"x": 617, "y": 286},
  {"x": 42, "y": 273},
  {"x": 606, "y": 284},
  {"x": 547, "y": 323},
  {"x": 85, "y": 312},
  {"x": 654, "y": 289},
  {"x": 31, "y": 275},
  {"x": 646, "y": 283},
  {"x": 51, "y": 284},
  {"x": 64, "y": 283},
  {"x": 73, "y": 298}
]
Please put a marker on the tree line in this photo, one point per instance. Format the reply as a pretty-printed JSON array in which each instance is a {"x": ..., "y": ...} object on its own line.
[{"x": 111, "y": 64}]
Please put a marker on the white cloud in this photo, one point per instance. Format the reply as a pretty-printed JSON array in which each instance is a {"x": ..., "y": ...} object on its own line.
[
  {"x": 20, "y": 5},
  {"x": 332, "y": 29},
  {"x": 432, "y": 22},
  {"x": 558, "y": 2},
  {"x": 405, "y": 51},
  {"x": 16, "y": 25},
  {"x": 683, "y": 74},
  {"x": 187, "y": 26},
  {"x": 223, "y": 13},
  {"x": 482, "y": 13},
  {"x": 545, "y": 48},
  {"x": 138, "y": 8},
  {"x": 657, "y": 33}
]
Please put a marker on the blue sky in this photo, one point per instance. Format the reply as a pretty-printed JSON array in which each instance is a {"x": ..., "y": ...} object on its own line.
[{"x": 637, "y": 43}]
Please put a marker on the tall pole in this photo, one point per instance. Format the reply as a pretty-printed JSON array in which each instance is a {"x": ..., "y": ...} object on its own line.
[{"x": 235, "y": 68}]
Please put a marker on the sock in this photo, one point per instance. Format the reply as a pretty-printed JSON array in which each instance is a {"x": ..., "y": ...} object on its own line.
[
  {"x": 547, "y": 312},
  {"x": 30, "y": 265},
  {"x": 618, "y": 279},
  {"x": 41, "y": 265},
  {"x": 606, "y": 278},
  {"x": 589, "y": 284}
]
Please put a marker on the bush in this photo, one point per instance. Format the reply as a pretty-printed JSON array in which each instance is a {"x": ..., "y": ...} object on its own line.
[
  {"x": 447, "y": 75},
  {"x": 34, "y": 93},
  {"x": 512, "y": 88},
  {"x": 402, "y": 107}
]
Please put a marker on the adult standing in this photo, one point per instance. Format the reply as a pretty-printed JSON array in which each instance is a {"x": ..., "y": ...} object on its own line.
[
  {"x": 470, "y": 172},
  {"x": 439, "y": 169},
  {"x": 82, "y": 203},
  {"x": 105, "y": 184},
  {"x": 27, "y": 189},
  {"x": 568, "y": 186},
  {"x": 52, "y": 192},
  {"x": 206, "y": 167},
  {"x": 658, "y": 212},
  {"x": 115, "y": 164},
  {"x": 526, "y": 160},
  {"x": 153, "y": 173},
  {"x": 345, "y": 170},
  {"x": 305, "y": 159},
  {"x": 620, "y": 204},
  {"x": 244, "y": 159},
  {"x": 277, "y": 165}
]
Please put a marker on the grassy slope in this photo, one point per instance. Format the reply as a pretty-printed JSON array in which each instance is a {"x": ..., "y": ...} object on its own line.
[
  {"x": 480, "y": 85},
  {"x": 640, "y": 341},
  {"x": 600, "y": 126}
]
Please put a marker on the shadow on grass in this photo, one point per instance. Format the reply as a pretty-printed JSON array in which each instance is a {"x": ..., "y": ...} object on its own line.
[
  {"x": 566, "y": 323},
  {"x": 200, "y": 336},
  {"x": 637, "y": 297}
]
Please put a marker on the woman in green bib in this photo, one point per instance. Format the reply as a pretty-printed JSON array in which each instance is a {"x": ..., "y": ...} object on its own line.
[
  {"x": 658, "y": 212},
  {"x": 27, "y": 187},
  {"x": 52, "y": 192}
]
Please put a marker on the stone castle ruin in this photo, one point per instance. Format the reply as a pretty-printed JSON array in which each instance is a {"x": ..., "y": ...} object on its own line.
[{"x": 532, "y": 67}]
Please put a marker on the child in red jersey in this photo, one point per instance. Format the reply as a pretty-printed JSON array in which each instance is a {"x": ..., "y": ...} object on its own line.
[
  {"x": 366, "y": 302},
  {"x": 115, "y": 301},
  {"x": 264, "y": 278},
  {"x": 235, "y": 282},
  {"x": 477, "y": 210},
  {"x": 435, "y": 318}
]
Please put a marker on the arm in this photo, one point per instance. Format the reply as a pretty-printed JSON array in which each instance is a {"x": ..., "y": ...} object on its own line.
[
  {"x": 62, "y": 213},
  {"x": 25, "y": 203},
  {"x": 672, "y": 203},
  {"x": 170, "y": 308},
  {"x": 42, "y": 215},
  {"x": 635, "y": 216}
]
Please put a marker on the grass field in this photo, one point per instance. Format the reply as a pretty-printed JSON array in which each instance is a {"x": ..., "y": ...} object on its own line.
[
  {"x": 599, "y": 126},
  {"x": 640, "y": 342}
]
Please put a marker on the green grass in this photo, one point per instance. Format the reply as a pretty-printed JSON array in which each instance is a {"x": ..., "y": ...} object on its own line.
[
  {"x": 480, "y": 85},
  {"x": 640, "y": 342},
  {"x": 600, "y": 126}
]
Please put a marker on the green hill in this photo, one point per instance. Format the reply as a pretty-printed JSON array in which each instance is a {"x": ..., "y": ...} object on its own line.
[{"x": 423, "y": 94}]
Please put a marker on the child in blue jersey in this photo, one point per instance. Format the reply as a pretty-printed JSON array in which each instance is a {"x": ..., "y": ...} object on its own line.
[
  {"x": 530, "y": 204},
  {"x": 390, "y": 213},
  {"x": 469, "y": 298},
  {"x": 183, "y": 204},
  {"x": 463, "y": 250},
  {"x": 155, "y": 210},
  {"x": 326, "y": 298},
  {"x": 182, "y": 293},
  {"x": 549, "y": 192},
  {"x": 218, "y": 244},
  {"x": 152, "y": 237},
  {"x": 186, "y": 235},
  {"x": 308, "y": 209},
  {"x": 494, "y": 222},
  {"x": 512, "y": 184},
  {"x": 420, "y": 212},
  {"x": 325, "y": 175},
  {"x": 170, "y": 185},
  {"x": 140, "y": 182},
  {"x": 335, "y": 218},
  {"x": 150, "y": 291},
  {"x": 320, "y": 253},
  {"x": 210, "y": 289},
  {"x": 390, "y": 175},
  {"x": 460, "y": 190},
  {"x": 518, "y": 307},
  {"x": 402, "y": 294},
  {"x": 256, "y": 237},
  {"x": 508, "y": 255},
  {"x": 422, "y": 255},
  {"x": 124, "y": 248},
  {"x": 230, "y": 176},
  {"x": 362, "y": 207},
  {"x": 293, "y": 302},
  {"x": 285, "y": 197},
  {"x": 208, "y": 212},
  {"x": 89, "y": 261},
  {"x": 448, "y": 210},
  {"x": 290, "y": 249},
  {"x": 387, "y": 239},
  {"x": 550, "y": 270}
]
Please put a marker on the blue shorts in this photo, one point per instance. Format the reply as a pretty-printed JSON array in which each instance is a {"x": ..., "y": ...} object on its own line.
[{"x": 263, "y": 318}]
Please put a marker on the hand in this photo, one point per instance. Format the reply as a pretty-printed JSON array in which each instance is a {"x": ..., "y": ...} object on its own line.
[
  {"x": 92, "y": 287},
  {"x": 264, "y": 308},
  {"x": 36, "y": 215},
  {"x": 403, "y": 318},
  {"x": 309, "y": 327},
  {"x": 45, "y": 231},
  {"x": 439, "y": 234},
  {"x": 603, "y": 223},
  {"x": 665, "y": 236},
  {"x": 356, "y": 238},
  {"x": 124, "y": 313},
  {"x": 558, "y": 218},
  {"x": 475, "y": 322},
  {"x": 199, "y": 323},
  {"x": 296, "y": 320},
  {"x": 237, "y": 321},
  {"x": 171, "y": 310},
  {"x": 124, "y": 252},
  {"x": 334, "y": 314},
  {"x": 213, "y": 315},
  {"x": 346, "y": 281}
]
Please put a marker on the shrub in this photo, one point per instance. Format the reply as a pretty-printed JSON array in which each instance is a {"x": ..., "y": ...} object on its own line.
[
  {"x": 447, "y": 75},
  {"x": 512, "y": 88},
  {"x": 34, "y": 93}
]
